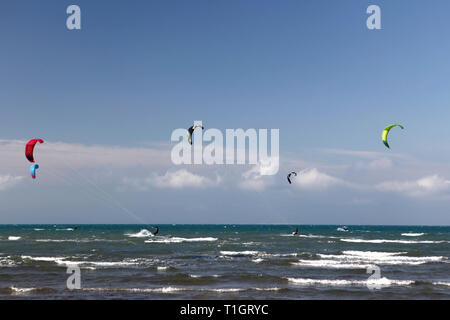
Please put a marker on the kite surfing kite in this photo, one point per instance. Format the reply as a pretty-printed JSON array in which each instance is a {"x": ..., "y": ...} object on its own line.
[
  {"x": 191, "y": 131},
  {"x": 289, "y": 176},
  {"x": 33, "y": 169},
  {"x": 386, "y": 132},
  {"x": 29, "y": 149}
]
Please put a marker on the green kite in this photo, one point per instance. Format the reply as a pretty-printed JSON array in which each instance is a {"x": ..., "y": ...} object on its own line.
[{"x": 386, "y": 132}]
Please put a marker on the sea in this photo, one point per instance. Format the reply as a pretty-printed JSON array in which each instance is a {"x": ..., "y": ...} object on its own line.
[{"x": 224, "y": 262}]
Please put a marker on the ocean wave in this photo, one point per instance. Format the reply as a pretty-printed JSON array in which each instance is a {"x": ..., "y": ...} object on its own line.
[
  {"x": 224, "y": 290},
  {"x": 132, "y": 290},
  {"x": 65, "y": 240},
  {"x": 441, "y": 283},
  {"x": 329, "y": 264},
  {"x": 91, "y": 264},
  {"x": 412, "y": 234},
  {"x": 144, "y": 233},
  {"x": 239, "y": 253},
  {"x": 393, "y": 241},
  {"x": 162, "y": 268},
  {"x": 312, "y": 236},
  {"x": 21, "y": 290},
  {"x": 99, "y": 263},
  {"x": 205, "y": 276},
  {"x": 363, "y": 259},
  {"x": 164, "y": 290},
  {"x": 180, "y": 240},
  {"x": 7, "y": 262},
  {"x": 84, "y": 240},
  {"x": 383, "y": 282},
  {"x": 14, "y": 238},
  {"x": 46, "y": 259},
  {"x": 372, "y": 254},
  {"x": 172, "y": 290},
  {"x": 265, "y": 254},
  {"x": 386, "y": 258},
  {"x": 13, "y": 290},
  {"x": 259, "y": 256}
]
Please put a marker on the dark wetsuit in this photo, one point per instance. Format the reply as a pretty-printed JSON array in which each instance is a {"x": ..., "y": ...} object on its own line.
[{"x": 156, "y": 231}]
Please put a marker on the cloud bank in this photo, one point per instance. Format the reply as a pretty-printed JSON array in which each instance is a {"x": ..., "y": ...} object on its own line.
[
  {"x": 178, "y": 179},
  {"x": 8, "y": 181},
  {"x": 429, "y": 185}
]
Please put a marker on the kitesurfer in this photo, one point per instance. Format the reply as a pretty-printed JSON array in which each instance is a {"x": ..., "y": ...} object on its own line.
[{"x": 191, "y": 131}]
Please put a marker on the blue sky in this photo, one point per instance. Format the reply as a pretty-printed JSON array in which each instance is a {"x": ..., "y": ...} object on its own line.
[{"x": 139, "y": 69}]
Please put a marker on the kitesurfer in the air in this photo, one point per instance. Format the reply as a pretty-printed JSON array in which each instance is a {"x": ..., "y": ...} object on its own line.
[{"x": 191, "y": 132}]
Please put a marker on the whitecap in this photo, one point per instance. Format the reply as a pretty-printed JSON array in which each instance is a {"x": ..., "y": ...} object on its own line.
[
  {"x": 392, "y": 241},
  {"x": 21, "y": 290},
  {"x": 442, "y": 283},
  {"x": 383, "y": 282},
  {"x": 363, "y": 259},
  {"x": 144, "y": 233},
  {"x": 179, "y": 240},
  {"x": 160, "y": 268},
  {"x": 239, "y": 253}
]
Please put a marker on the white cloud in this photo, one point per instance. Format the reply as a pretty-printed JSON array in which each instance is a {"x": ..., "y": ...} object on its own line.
[
  {"x": 183, "y": 178},
  {"x": 354, "y": 153},
  {"x": 313, "y": 179},
  {"x": 173, "y": 180},
  {"x": 253, "y": 185},
  {"x": 61, "y": 154},
  {"x": 363, "y": 154},
  {"x": 7, "y": 181},
  {"x": 382, "y": 163},
  {"x": 259, "y": 176},
  {"x": 422, "y": 187}
]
